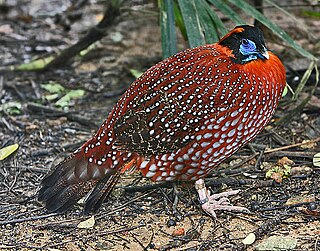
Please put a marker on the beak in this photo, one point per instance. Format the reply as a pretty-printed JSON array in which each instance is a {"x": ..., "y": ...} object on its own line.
[{"x": 265, "y": 53}]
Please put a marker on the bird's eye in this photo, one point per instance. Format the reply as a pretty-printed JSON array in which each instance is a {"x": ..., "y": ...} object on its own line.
[{"x": 245, "y": 41}]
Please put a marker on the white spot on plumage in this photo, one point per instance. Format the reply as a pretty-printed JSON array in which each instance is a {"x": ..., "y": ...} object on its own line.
[
  {"x": 179, "y": 167},
  {"x": 234, "y": 122},
  {"x": 186, "y": 157},
  {"x": 207, "y": 135},
  {"x": 200, "y": 172},
  {"x": 191, "y": 170},
  {"x": 153, "y": 168},
  {"x": 144, "y": 164},
  {"x": 216, "y": 145},
  {"x": 231, "y": 133},
  {"x": 190, "y": 150},
  {"x": 234, "y": 113},
  {"x": 150, "y": 174},
  {"x": 205, "y": 144}
]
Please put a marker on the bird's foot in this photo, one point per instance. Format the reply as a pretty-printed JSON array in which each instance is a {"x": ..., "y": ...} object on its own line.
[{"x": 210, "y": 203}]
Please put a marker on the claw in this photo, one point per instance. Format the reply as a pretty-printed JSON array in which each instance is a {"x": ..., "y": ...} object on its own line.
[{"x": 210, "y": 203}]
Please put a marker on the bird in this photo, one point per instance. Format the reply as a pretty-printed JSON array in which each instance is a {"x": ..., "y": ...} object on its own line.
[{"x": 177, "y": 122}]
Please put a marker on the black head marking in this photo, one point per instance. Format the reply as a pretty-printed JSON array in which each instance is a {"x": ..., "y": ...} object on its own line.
[{"x": 246, "y": 42}]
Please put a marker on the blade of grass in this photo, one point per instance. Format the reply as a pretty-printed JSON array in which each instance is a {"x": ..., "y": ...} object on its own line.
[
  {"x": 228, "y": 12},
  {"x": 299, "y": 108},
  {"x": 317, "y": 79},
  {"x": 292, "y": 113},
  {"x": 179, "y": 20},
  {"x": 215, "y": 20},
  {"x": 243, "y": 5},
  {"x": 304, "y": 80},
  {"x": 34, "y": 65},
  {"x": 192, "y": 22},
  {"x": 168, "y": 28},
  {"x": 209, "y": 29}
]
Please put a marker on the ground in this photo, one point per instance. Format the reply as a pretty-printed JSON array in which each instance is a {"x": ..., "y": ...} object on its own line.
[{"x": 139, "y": 214}]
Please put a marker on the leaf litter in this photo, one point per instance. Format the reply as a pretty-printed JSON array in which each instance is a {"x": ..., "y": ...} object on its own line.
[{"x": 138, "y": 220}]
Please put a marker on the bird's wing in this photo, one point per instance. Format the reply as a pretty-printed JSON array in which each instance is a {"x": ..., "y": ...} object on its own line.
[{"x": 171, "y": 111}]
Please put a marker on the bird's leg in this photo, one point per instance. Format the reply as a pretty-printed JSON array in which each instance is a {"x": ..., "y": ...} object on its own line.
[
  {"x": 210, "y": 203},
  {"x": 176, "y": 213},
  {"x": 176, "y": 198},
  {"x": 173, "y": 207}
]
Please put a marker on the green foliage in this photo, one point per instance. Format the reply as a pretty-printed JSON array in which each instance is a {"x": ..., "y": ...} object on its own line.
[
  {"x": 309, "y": 13},
  {"x": 199, "y": 22},
  {"x": 168, "y": 28},
  {"x": 61, "y": 95},
  {"x": 53, "y": 87},
  {"x": 192, "y": 22},
  {"x": 11, "y": 108},
  {"x": 136, "y": 73},
  {"x": 7, "y": 151},
  {"x": 33, "y": 65},
  {"x": 249, "y": 9}
]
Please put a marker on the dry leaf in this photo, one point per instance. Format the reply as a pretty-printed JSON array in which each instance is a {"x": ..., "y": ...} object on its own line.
[
  {"x": 89, "y": 223},
  {"x": 316, "y": 160},
  {"x": 308, "y": 145},
  {"x": 8, "y": 150},
  {"x": 277, "y": 243},
  {"x": 300, "y": 199},
  {"x": 285, "y": 161},
  {"x": 277, "y": 177},
  {"x": 299, "y": 170},
  {"x": 314, "y": 213},
  {"x": 178, "y": 232},
  {"x": 6, "y": 29},
  {"x": 251, "y": 238}
]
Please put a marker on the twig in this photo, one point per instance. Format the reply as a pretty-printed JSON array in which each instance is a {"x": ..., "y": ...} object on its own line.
[
  {"x": 236, "y": 165},
  {"x": 94, "y": 34},
  {"x": 278, "y": 138},
  {"x": 230, "y": 181},
  {"x": 27, "y": 219},
  {"x": 123, "y": 205},
  {"x": 292, "y": 154},
  {"x": 293, "y": 145},
  {"x": 133, "y": 189},
  {"x": 259, "y": 160},
  {"x": 120, "y": 230},
  {"x": 59, "y": 113}
]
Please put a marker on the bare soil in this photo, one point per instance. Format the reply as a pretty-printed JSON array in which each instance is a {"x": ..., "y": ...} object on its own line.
[{"x": 140, "y": 215}]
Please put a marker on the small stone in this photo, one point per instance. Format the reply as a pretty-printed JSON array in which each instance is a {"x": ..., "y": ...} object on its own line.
[{"x": 171, "y": 223}]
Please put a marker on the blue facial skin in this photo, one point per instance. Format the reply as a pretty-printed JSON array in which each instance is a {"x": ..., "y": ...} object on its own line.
[{"x": 249, "y": 50}]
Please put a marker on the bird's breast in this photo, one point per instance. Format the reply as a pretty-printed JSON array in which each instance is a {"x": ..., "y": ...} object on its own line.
[{"x": 244, "y": 102}]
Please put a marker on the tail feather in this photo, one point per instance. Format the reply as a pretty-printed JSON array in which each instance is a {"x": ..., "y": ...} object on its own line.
[
  {"x": 67, "y": 183},
  {"x": 68, "y": 196},
  {"x": 75, "y": 177},
  {"x": 101, "y": 191},
  {"x": 104, "y": 187}
]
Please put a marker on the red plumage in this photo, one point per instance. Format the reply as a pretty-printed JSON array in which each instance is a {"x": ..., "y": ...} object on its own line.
[{"x": 178, "y": 121}]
